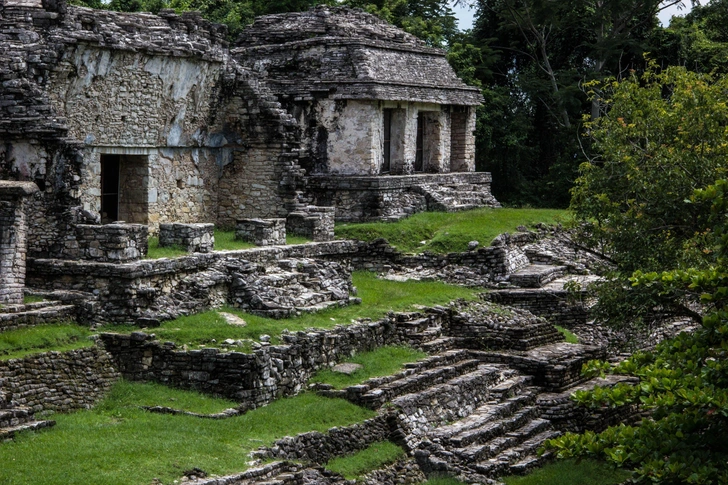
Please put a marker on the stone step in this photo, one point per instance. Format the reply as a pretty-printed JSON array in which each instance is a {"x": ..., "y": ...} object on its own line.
[
  {"x": 501, "y": 464},
  {"x": 491, "y": 428},
  {"x": 554, "y": 366},
  {"x": 29, "y": 306},
  {"x": 530, "y": 462},
  {"x": 495, "y": 409},
  {"x": 536, "y": 275},
  {"x": 440, "y": 344},
  {"x": 496, "y": 447},
  {"x": 15, "y": 416},
  {"x": 375, "y": 398},
  {"x": 36, "y": 316},
  {"x": 10, "y": 431}
]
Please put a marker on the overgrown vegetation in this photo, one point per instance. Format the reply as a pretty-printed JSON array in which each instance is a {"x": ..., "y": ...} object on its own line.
[
  {"x": 649, "y": 202},
  {"x": 443, "y": 232},
  {"x": 32, "y": 299},
  {"x": 117, "y": 443},
  {"x": 155, "y": 251},
  {"x": 42, "y": 338},
  {"x": 376, "y": 456},
  {"x": 378, "y": 297},
  {"x": 382, "y": 361},
  {"x": 572, "y": 472},
  {"x": 568, "y": 335}
]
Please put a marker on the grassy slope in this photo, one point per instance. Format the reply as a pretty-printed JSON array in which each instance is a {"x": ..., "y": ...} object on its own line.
[
  {"x": 383, "y": 361},
  {"x": 378, "y": 297},
  {"x": 62, "y": 336},
  {"x": 224, "y": 241},
  {"x": 375, "y": 456},
  {"x": 118, "y": 444},
  {"x": 571, "y": 472},
  {"x": 450, "y": 232}
]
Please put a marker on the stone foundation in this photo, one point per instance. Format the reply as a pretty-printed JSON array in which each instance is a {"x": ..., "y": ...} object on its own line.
[
  {"x": 371, "y": 198},
  {"x": 13, "y": 239},
  {"x": 109, "y": 243},
  {"x": 261, "y": 232},
  {"x": 195, "y": 238},
  {"x": 315, "y": 223}
]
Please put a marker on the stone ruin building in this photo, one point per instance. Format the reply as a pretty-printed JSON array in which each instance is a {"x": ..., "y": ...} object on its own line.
[{"x": 157, "y": 119}]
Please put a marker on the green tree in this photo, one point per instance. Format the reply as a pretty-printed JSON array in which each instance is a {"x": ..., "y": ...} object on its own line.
[{"x": 683, "y": 383}]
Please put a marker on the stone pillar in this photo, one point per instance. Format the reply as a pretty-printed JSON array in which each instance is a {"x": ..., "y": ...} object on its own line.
[{"x": 13, "y": 239}]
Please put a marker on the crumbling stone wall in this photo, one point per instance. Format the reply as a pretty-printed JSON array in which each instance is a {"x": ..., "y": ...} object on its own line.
[
  {"x": 13, "y": 239},
  {"x": 59, "y": 381},
  {"x": 254, "y": 379}
]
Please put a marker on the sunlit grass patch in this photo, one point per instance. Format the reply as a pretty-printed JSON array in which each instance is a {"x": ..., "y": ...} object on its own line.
[
  {"x": 383, "y": 361},
  {"x": 378, "y": 297},
  {"x": 43, "y": 338},
  {"x": 117, "y": 443},
  {"x": 444, "y": 232},
  {"x": 372, "y": 458}
]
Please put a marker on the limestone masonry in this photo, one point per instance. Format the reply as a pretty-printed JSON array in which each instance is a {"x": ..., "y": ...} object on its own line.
[{"x": 152, "y": 120}]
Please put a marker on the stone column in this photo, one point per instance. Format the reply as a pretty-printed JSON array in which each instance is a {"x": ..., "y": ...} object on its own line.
[{"x": 13, "y": 239}]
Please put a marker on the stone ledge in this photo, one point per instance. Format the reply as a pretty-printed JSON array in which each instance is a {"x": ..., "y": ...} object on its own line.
[
  {"x": 383, "y": 182},
  {"x": 17, "y": 189}
]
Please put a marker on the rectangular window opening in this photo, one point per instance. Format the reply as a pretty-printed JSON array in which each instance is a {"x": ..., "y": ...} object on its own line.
[
  {"x": 124, "y": 189},
  {"x": 109, "y": 188}
]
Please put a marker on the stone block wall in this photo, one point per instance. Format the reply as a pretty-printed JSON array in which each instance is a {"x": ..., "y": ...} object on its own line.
[
  {"x": 254, "y": 379},
  {"x": 316, "y": 447},
  {"x": 109, "y": 243},
  {"x": 359, "y": 198},
  {"x": 261, "y": 232},
  {"x": 195, "y": 238},
  {"x": 315, "y": 223},
  {"x": 59, "y": 381},
  {"x": 13, "y": 239}
]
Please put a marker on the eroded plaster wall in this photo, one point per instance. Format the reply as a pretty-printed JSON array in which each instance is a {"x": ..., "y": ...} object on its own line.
[{"x": 143, "y": 107}]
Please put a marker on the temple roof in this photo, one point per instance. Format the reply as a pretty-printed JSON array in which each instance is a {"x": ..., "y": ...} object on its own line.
[{"x": 349, "y": 54}]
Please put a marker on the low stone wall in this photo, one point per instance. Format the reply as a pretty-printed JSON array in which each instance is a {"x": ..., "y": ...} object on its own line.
[
  {"x": 404, "y": 472},
  {"x": 487, "y": 265},
  {"x": 114, "y": 243},
  {"x": 254, "y": 379},
  {"x": 59, "y": 381},
  {"x": 261, "y": 232},
  {"x": 316, "y": 447},
  {"x": 127, "y": 292},
  {"x": 554, "y": 305},
  {"x": 13, "y": 238},
  {"x": 369, "y": 198},
  {"x": 195, "y": 238}
]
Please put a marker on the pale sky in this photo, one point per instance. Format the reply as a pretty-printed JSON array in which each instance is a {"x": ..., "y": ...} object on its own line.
[{"x": 465, "y": 14}]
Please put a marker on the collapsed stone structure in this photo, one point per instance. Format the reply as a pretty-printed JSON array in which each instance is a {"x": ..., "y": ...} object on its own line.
[{"x": 156, "y": 119}]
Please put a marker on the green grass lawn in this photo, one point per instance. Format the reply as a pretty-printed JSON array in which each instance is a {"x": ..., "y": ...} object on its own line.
[
  {"x": 42, "y": 338},
  {"x": 224, "y": 241},
  {"x": 450, "y": 232},
  {"x": 383, "y": 361},
  {"x": 376, "y": 456},
  {"x": 569, "y": 336},
  {"x": 572, "y": 472},
  {"x": 378, "y": 298},
  {"x": 117, "y": 443}
]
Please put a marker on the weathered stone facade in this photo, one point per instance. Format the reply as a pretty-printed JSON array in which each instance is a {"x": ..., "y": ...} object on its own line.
[
  {"x": 195, "y": 238},
  {"x": 154, "y": 119},
  {"x": 13, "y": 239}
]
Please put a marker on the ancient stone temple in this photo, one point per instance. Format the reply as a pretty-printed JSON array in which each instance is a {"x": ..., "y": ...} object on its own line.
[{"x": 140, "y": 120}]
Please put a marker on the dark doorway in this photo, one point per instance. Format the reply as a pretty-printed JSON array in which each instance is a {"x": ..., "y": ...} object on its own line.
[
  {"x": 387, "y": 142},
  {"x": 109, "y": 188},
  {"x": 420, "y": 143}
]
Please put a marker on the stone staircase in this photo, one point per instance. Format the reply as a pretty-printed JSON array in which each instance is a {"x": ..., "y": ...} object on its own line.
[
  {"x": 424, "y": 331},
  {"x": 30, "y": 314},
  {"x": 14, "y": 419},
  {"x": 447, "y": 198},
  {"x": 536, "y": 275},
  {"x": 275, "y": 473},
  {"x": 483, "y": 325}
]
